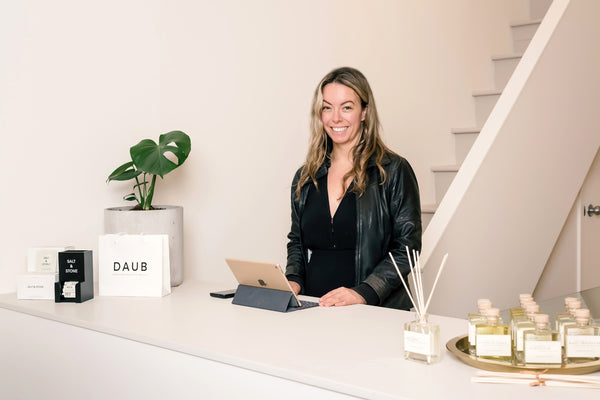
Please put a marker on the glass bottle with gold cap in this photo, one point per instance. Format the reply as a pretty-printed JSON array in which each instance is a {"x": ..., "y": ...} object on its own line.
[
  {"x": 567, "y": 320},
  {"x": 582, "y": 340},
  {"x": 477, "y": 318},
  {"x": 521, "y": 327},
  {"x": 493, "y": 338},
  {"x": 542, "y": 345}
]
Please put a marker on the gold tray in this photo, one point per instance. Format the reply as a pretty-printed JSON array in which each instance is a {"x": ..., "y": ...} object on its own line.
[{"x": 459, "y": 346}]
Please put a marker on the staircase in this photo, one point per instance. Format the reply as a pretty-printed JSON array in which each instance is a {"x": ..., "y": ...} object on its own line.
[
  {"x": 505, "y": 210},
  {"x": 484, "y": 101}
]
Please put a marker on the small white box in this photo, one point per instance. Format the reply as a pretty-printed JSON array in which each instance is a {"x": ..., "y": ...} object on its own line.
[
  {"x": 44, "y": 259},
  {"x": 36, "y": 286}
]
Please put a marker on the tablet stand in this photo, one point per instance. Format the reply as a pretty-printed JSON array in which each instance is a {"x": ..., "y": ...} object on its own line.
[{"x": 267, "y": 299}]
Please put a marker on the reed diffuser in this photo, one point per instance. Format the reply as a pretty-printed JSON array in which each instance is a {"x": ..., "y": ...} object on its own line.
[{"x": 421, "y": 337}]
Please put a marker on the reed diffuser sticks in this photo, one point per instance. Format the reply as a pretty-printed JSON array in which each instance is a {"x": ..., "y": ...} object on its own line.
[{"x": 417, "y": 298}]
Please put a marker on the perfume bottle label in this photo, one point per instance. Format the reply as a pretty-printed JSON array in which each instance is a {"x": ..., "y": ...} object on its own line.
[
  {"x": 542, "y": 352},
  {"x": 415, "y": 342},
  {"x": 583, "y": 346},
  {"x": 493, "y": 345}
]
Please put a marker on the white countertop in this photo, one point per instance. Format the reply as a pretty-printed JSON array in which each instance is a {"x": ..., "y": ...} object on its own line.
[{"x": 356, "y": 350}]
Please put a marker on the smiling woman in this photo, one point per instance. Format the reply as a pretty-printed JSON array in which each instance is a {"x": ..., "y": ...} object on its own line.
[
  {"x": 342, "y": 115},
  {"x": 353, "y": 201}
]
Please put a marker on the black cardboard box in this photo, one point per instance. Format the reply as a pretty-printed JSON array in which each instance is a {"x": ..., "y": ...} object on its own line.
[{"x": 75, "y": 266}]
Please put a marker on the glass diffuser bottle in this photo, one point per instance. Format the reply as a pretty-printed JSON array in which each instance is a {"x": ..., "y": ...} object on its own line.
[
  {"x": 522, "y": 326},
  {"x": 421, "y": 337},
  {"x": 493, "y": 338},
  {"x": 422, "y": 341},
  {"x": 563, "y": 321},
  {"x": 477, "y": 318},
  {"x": 542, "y": 345},
  {"x": 518, "y": 314},
  {"x": 582, "y": 340}
]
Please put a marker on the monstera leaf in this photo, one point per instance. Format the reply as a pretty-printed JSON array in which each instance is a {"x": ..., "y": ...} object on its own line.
[
  {"x": 124, "y": 173},
  {"x": 151, "y": 158}
]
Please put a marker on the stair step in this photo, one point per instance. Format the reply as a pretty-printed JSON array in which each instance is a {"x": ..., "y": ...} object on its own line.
[
  {"x": 507, "y": 56},
  {"x": 445, "y": 168},
  {"x": 427, "y": 211},
  {"x": 525, "y": 22},
  {"x": 428, "y": 208},
  {"x": 483, "y": 93},
  {"x": 460, "y": 131},
  {"x": 538, "y": 8},
  {"x": 504, "y": 66},
  {"x": 463, "y": 141},
  {"x": 485, "y": 100},
  {"x": 443, "y": 177},
  {"x": 522, "y": 33}
]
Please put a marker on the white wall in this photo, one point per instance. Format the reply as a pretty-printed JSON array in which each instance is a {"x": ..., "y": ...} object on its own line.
[
  {"x": 573, "y": 263},
  {"x": 81, "y": 81}
]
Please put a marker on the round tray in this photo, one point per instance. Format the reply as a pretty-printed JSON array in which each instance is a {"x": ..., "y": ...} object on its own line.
[{"x": 459, "y": 346}]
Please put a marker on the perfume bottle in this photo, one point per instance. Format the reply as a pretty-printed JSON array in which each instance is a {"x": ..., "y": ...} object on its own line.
[
  {"x": 477, "y": 318},
  {"x": 582, "y": 340},
  {"x": 522, "y": 326},
  {"x": 520, "y": 313},
  {"x": 542, "y": 345},
  {"x": 492, "y": 340},
  {"x": 521, "y": 316},
  {"x": 422, "y": 341},
  {"x": 562, "y": 314},
  {"x": 568, "y": 319}
]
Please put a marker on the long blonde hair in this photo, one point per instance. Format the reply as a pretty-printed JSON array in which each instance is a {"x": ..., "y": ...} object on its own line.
[{"x": 369, "y": 143}]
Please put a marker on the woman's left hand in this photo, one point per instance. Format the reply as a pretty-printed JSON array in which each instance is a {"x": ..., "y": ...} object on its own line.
[{"x": 341, "y": 296}]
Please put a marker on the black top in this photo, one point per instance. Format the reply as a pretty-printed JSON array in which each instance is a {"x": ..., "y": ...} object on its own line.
[
  {"x": 388, "y": 218},
  {"x": 331, "y": 244},
  {"x": 331, "y": 241}
]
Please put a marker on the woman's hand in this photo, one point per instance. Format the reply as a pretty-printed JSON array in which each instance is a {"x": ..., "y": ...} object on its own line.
[
  {"x": 341, "y": 296},
  {"x": 295, "y": 287}
]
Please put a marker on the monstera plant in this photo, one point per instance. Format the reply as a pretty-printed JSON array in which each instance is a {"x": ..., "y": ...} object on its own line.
[{"x": 149, "y": 160}]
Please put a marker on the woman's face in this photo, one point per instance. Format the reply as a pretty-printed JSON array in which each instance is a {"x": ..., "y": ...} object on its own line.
[{"x": 341, "y": 114}]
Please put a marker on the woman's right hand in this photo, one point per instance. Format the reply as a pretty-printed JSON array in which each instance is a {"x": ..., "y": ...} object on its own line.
[{"x": 295, "y": 287}]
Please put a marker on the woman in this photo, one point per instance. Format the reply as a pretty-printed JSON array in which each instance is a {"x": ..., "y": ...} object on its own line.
[{"x": 353, "y": 201}]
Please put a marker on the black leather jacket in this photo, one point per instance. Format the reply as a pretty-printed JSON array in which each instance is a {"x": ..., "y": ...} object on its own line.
[{"x": 388, "y": 220}]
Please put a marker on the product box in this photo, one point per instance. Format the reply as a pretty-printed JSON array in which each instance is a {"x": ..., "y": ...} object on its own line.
[
  {"x": 44, "y": 259},
  {"x": 36, "y": 286},
  {"x": 75, "y": 277}
]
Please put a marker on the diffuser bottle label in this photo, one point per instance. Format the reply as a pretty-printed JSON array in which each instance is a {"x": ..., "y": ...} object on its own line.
[
  {"x": 583, "y": 346},
  {"x": 417, "y": 342},
  {"x": 542, "y": 352},
  {"x": 493, "y": 345}
]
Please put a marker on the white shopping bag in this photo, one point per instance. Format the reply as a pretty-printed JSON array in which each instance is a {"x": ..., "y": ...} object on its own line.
[{"x": 134, "y": 265}]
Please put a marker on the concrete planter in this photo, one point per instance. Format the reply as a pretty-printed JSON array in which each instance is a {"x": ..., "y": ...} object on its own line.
[{"x": 163, "y": 220}]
